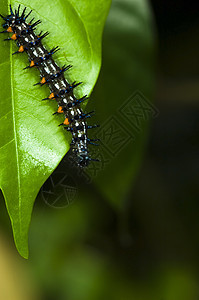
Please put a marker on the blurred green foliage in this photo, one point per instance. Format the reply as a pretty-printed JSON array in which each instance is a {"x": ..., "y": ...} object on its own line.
[{"x": 128, "y": 69}]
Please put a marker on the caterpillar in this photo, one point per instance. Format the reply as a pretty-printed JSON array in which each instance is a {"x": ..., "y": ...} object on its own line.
[{"x": 61, "y": 90}]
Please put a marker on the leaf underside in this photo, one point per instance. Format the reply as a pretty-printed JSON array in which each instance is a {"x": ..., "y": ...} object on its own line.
[{"x": 31, "y": 143}]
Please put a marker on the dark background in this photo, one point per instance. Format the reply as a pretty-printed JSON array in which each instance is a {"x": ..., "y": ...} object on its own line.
[{"x": 149, "y": 248}]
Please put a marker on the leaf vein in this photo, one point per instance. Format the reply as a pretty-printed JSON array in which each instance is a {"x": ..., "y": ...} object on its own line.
[
  {"x": 4, "y": 62},
  {"x": 7, "y": 144},
  {"x": 27, "y": 94},
  {"x": 5, "y": 114}
]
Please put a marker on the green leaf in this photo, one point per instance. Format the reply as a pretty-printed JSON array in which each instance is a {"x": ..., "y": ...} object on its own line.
[
  {"x": 31, "y": 143},
  {"x": 127, "y": 72}
]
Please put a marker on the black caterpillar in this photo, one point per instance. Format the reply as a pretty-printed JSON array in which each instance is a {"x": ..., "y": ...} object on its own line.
[{"x": 53, "y": 75}]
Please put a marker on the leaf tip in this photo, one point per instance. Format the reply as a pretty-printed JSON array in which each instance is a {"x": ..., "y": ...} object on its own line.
[{"x": 22, "y": 250}]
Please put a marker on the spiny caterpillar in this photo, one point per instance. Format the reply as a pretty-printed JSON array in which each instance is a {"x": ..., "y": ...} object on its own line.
[{"x": 52, "y": 75}]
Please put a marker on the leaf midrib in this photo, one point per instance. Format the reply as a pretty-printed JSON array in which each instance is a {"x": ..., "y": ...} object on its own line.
[{"x": 15, "y": 134}]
